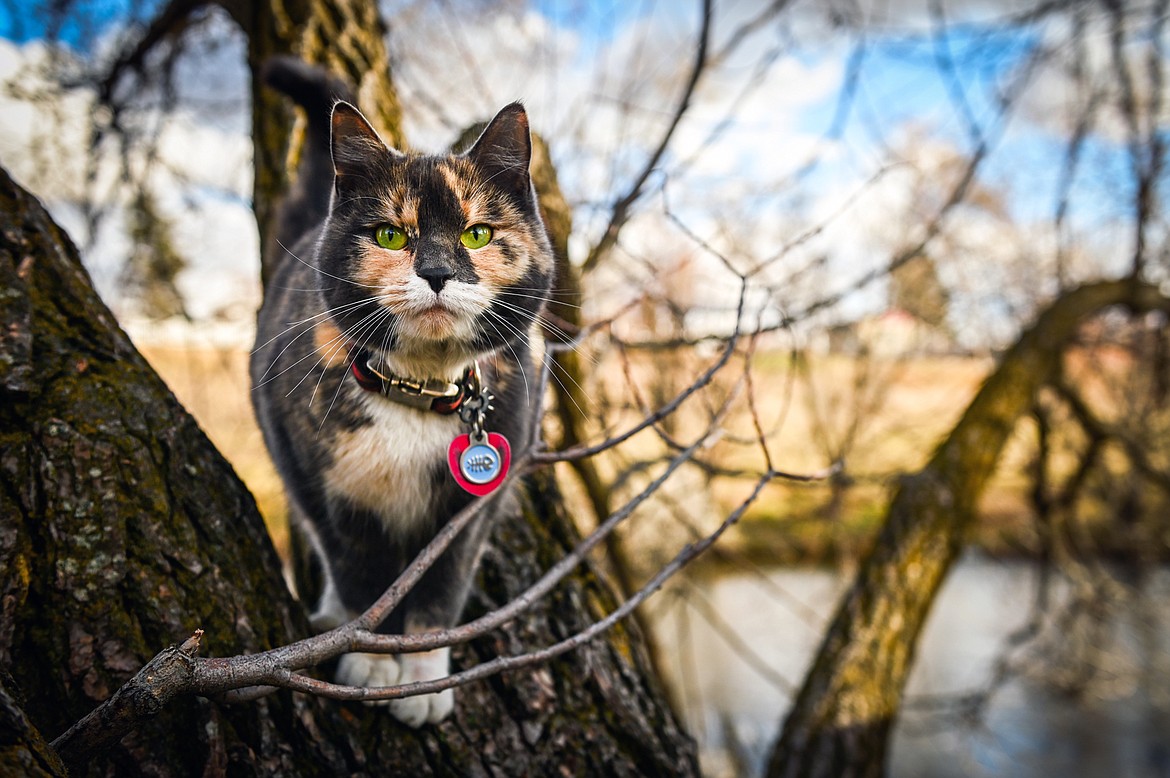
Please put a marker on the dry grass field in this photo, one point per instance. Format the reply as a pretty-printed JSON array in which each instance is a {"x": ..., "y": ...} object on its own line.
[{"x": 885, "y": 418}]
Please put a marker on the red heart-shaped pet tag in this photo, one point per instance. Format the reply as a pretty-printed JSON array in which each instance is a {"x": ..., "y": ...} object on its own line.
[{"x": 479, "y": 466}]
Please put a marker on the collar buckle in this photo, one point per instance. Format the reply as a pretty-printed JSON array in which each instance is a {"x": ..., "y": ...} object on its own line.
[
  {"x": 425, "y": 388},
  {"x": 428, "y": 394}
]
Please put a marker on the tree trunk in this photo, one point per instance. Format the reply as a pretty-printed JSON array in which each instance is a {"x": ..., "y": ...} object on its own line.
[
  {"x": 347, "y": 37},
  {"x": 840, "y": 723},
  {"x": 122, "y": 530}
]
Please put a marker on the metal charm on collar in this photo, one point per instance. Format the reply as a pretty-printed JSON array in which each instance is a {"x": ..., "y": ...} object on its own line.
[{"x": 478, "y": 460}]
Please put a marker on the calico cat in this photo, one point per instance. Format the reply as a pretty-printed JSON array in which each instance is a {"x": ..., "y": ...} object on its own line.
[{"x": 395, "y": 272}]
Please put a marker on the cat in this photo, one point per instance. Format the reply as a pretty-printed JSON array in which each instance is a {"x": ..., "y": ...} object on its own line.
[{"x": 392, "y": 268}]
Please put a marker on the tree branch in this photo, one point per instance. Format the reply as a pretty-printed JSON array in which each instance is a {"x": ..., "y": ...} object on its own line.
[
  {"x": 169, "y": 674},
  {"x": 176, "y": 671},
  {"x": 620, "y": 213}
]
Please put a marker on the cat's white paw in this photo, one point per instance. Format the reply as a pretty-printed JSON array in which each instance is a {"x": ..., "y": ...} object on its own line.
[
  {"x": 368, "y": 670},
  {"x": 426, "y": 708},
  {"x": 373, "y": 670}
]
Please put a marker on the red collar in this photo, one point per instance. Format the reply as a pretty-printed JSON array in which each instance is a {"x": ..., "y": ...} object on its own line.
[{"x": 429, "y": 394}]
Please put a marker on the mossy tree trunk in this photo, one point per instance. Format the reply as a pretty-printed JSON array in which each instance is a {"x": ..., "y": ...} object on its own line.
[
  {"x": 841, "y": 720},
  {"x": 122, "y": 530}
]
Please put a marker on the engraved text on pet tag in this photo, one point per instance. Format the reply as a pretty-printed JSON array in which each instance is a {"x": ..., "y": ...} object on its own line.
[{"x": 479, "y": 462}]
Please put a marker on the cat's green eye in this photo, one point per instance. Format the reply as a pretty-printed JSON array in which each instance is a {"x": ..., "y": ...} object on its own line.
[
  {"x": 390, "y": 237},
  {"x": 476, "y": 236}
]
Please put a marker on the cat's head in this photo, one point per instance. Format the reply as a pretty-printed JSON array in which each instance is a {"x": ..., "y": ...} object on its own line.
[{"x": 432, "y": 261}]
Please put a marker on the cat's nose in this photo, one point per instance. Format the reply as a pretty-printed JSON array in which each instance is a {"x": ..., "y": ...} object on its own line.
[
  {"x": 435, "y": 273},
  {"x": 436, "y": 277}
]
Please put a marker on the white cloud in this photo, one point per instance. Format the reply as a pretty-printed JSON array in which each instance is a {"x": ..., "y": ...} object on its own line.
[
  {"x": 201, "y": 181},
  {"x": 206, "y": 156},
  {"x": 1072, "y": 73},
  {"x": 602, "y": 97}
]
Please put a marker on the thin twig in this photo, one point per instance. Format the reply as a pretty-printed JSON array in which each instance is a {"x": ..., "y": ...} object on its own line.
[
  {"x": 702, "y": 380},
  {"x": 620, "y": 213}
]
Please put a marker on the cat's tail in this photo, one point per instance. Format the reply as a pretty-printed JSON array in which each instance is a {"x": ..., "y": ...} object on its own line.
[
  {"x": 316, "y": 91},
  {"x": 311, "y": 87}
]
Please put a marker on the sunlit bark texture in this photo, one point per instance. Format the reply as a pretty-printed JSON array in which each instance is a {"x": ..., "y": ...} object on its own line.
[
  {"x": 348, "y": 37},
  {"x": 122, "y": 530},
  {"x": 841, "y": 720}
]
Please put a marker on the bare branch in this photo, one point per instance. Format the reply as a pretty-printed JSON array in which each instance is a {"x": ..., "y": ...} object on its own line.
[
  {"x": 1099, "y": 430},
  {"x": 502, "y": 664},
  {"x": 620, "y": 213},
  {"x": 166, "y": 676},
  {"x": 168, "y": 25},
  {"x": 702, "y": 380}
]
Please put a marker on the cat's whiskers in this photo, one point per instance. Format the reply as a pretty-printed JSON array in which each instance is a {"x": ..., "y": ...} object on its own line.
[
  {"x": 550, "y": 364},
  {"x": 553, "y": 372},
  {"x": 311, "y": 320},
  {"x": 265, "y": 378},
  {"x": 515, "y": 357},
  {"x": 552, "y": 326},
  {"x": 372, "y": 323},
  {"x": 340, "y": 338},
  {"x": 325, "y": 353},
  {"x": 332, "y": 345},
  {"x": 563, "y": 337},
  {"x": 509, "y": 292},
  {"x": 385, "y": 313},
  {"x": 390, "y": 332},
  {"x": 549, "y": 293},
  {"x": 322, "y": 272}
]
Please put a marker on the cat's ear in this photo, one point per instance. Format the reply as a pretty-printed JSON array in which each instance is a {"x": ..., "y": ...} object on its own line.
[
  {"x": 504, "y": 150},
  {"x": 354, "y": 144}
]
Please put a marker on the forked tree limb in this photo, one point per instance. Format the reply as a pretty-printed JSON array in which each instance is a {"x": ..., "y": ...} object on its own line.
[
  {"x": 841, "y": 719},
  {"x": 176, "y": 671}
]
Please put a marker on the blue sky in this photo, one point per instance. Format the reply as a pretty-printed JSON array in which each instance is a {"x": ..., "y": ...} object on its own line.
[
  {"x": 900, "y": 85},
  {"x": 600, "y": 21},
  {"x": 900, "y": 80},
  {"x": 79, "y": 29}
]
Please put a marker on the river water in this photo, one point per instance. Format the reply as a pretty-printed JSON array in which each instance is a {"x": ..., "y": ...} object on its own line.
[{"x": 1085, "y": 694}]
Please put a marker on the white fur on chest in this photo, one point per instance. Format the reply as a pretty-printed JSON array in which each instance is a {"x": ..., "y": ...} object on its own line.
[{"x": 385, "y": 467}]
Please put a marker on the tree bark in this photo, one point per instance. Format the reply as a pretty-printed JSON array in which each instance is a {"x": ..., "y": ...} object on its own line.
[
  {"x": 840, "y": 723},
  {"x": 23, "y": 751},
  {"x": 347, "y": 37},
  {"x": 122, "y": 530}
]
